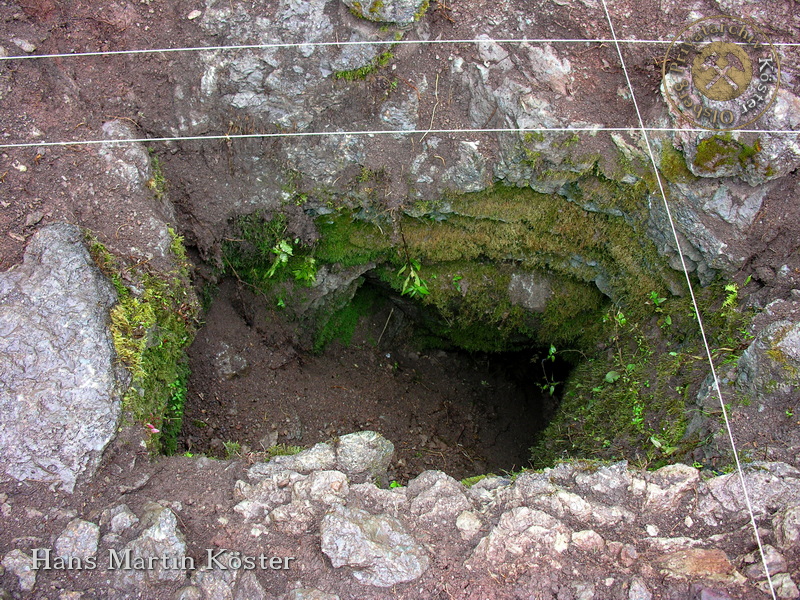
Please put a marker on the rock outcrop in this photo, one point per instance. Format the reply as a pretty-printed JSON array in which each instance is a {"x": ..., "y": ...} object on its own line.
[
  {"x": 580, "y": 530},
  {"x": 59, "y": 384}
]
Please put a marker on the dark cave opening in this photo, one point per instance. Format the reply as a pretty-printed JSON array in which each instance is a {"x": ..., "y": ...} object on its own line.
[{"x": 256, "y": 390}]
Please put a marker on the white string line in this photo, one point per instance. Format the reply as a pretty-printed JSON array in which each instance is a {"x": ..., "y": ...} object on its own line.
[
  {"x": 696, "y": 308},
  {"x": 272, "y": 45},
  {"x": 301, "y": 134}
]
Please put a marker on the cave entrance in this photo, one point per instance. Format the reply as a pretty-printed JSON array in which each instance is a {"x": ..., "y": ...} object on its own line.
[{"x": 252, "y": 389}]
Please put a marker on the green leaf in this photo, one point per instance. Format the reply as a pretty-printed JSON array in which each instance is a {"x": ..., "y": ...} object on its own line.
[{"x": 612, "y": 376}]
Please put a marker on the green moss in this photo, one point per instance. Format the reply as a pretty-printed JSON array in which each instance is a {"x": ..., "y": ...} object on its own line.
[
  {"x": 342, "y": 322},
  {"x": 150, "y": 332},
  {"x": 546, "y": 232},
  {"x": 423, "y": 8},
  {"x": 283, "y": 450},
  {"x": 360, "y": 74},
  {"x": 157, "y": 183},
  {"x": 673, "y": 165},
  {"x": 484, "y": 237},
  {"x": 720, "y": 151},
  {"x": 640, "y": 414},
  {"x": 612, "y": 407},
  {"x": 533, "y": 136},
  {"x": 375, "y": 6},
  {"x": 349, "y": 242},
  {"x": 470, "y": 481}
]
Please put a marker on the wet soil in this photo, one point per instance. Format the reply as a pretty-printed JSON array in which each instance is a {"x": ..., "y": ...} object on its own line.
[{"x": 252, "y": 384}]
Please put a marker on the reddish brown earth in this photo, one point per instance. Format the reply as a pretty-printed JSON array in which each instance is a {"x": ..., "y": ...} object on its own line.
[
  {"x": 458, "y": 413},
  {"x": 434, "y": 407}
]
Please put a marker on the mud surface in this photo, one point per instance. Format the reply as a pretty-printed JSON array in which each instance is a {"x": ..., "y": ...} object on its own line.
[{"x": 459, "y": 413}]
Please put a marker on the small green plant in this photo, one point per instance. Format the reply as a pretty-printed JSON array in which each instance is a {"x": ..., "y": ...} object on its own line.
[
  {"x": 638, "y": 415},
  {"x": 549, "y": 384},
  {"x": 666, "y": 320},
  {"x": 173, "y": 415},
  {"x": 307, "y": 271},
  {"x": 732, "y": 297},
  {"x": 395, "y": 484},
  {"x": 283, "y": 450},
  {"x": 665, "y": 448},
  {"x": 232, "y": 449},
  {"x": 457, "y": 283},
  {"x": 789, "y": 413},
  {"x": 283, "y": 251},
  {"x": 413, "y": 285},
  {"x": 657, "y": 301}
]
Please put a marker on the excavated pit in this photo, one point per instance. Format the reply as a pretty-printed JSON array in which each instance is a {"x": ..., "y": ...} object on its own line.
[{"x": 253, "y": 387}]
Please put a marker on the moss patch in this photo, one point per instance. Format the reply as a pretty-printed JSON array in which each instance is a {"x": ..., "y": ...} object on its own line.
[
  {"x": 341, "y": 323},
  {"x": 673, "y": 165},
  {"x": 721, "y": 151},
  {"x": 630, "y": 400},
  {"x": 151, "y": 329},
  {"x": 360, "y": 74}
]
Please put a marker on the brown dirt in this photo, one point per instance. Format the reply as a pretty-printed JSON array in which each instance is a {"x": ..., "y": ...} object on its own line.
[
  {"x": 441, "y": 396},
  {"x": 461, "y": 414}
]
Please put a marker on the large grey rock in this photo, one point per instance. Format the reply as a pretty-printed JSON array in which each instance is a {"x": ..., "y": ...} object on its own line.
[
  {"x": 249, "y": 588},
  {"x": 778, "y": 153},
  {"x": 376, "y": 547},
  {"x": 703, "y": 241},
  {"x": 224, "y": 580},
  {"x": 638, "y": 590},
  {"x": 776, "y": 563},
  {"x": 118, "y": 518},
  {"x": 364, "y": 455},
  {"x": 127, "y": 162},
  {"x": 319, "y": 457},
  {"x": 772, "y": 361},
  {"x": 162, "y": 538},
  {"x": 387, "y": 11},
  {"x": 784, "y": 585},
  {"x": 668, "y": 486},
  {"x": 274, "y": 83},
  {"x": 21, "y": 565},
  {"x": 537, "y": 490},
  {"x": 609, "y": 482},
  {"x": 470, "y": 173},
  {"x": 787, "y": 527},
  {"x": 229, "y": 363},
  {"x": 78, "y": 540},
  {"x": 769, "y": 485},
  {"x": 522, "y": 533},
  {"x": 530, "y": 290},
  {"x": 436, "y": 501},
  {"x": 322, "y": 488},
  {"x": 588, "y": 540},
  {"x": 59, "y": 400}
]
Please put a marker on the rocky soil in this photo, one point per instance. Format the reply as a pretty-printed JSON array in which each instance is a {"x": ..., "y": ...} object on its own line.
[
  {"x": 77, "y": 479},
  {"x": 579, "y": 530}
]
